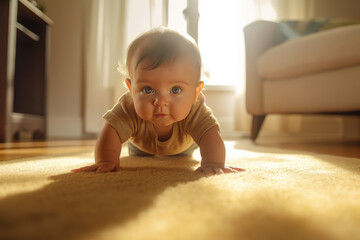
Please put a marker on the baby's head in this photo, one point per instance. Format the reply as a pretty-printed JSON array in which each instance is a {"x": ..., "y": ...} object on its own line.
[
  {"x": 164, "y": 69},
  {"x": 158, "y": 46}
]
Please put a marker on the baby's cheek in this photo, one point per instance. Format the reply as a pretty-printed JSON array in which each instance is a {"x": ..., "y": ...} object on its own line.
[
  {"x": 143, "y": 110},
  {"x": 181, "y": 111}
]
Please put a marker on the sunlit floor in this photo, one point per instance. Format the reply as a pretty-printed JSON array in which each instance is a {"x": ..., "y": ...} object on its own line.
[
  {"x": 286, "y": 194},
  {"x": 331, "y": 147},
  {"x": 19, "y": 150}
]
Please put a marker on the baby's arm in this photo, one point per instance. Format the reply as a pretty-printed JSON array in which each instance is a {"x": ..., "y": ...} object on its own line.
[
  {"x": 212, "y": 149},
  {"x": 107, "y": 152}
]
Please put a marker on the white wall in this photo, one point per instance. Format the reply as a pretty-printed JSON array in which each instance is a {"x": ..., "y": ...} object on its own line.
[
  {"x": 337, "y": 8},
  {"x": 64, "y": 86}
]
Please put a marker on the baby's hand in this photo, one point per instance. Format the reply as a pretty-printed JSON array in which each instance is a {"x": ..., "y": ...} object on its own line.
[
  {"x": 100, "y": 167},
  {"x": 215, "y": 168}
]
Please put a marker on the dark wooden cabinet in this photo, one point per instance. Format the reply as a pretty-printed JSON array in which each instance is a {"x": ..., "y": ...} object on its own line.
[{"x": 24, "y": 39}]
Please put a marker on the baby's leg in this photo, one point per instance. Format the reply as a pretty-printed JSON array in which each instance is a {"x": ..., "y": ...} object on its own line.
[{"x": 134, "y": 151}]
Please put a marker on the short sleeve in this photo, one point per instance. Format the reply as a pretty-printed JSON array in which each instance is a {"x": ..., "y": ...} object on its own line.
[
  {"x": 122, "y": 117},
  {"x": 200, "y": 119}
]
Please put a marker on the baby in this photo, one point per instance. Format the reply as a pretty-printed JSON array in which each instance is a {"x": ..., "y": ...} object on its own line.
[{"x": 164, "y": 112}]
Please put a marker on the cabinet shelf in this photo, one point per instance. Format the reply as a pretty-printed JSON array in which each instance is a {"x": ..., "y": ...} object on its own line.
[
  {"x": 27, "y": 32},
  {"x": 24, "y": 38},
  {"x": 27, "y": 10}
]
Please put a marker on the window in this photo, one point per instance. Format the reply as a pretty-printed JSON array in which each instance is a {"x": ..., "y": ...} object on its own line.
[
  {"x": 176, "y": 19},
  {"x": 219, "y": 37},
  {"x": 219, "y": 41}
]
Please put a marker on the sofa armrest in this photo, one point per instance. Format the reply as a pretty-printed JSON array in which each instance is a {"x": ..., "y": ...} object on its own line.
[{"x": 259, "y": 36}]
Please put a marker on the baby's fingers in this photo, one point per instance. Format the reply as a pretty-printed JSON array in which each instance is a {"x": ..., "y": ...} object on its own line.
[
  {"x": 105, "y": 168},
  {"x": 233, "y": 169},
  {"x": 91, "y": 168},
  {"x": 207, "y": 171},
  {"x": 210, "y": 171},
  {"x": 218, "y": 171}
]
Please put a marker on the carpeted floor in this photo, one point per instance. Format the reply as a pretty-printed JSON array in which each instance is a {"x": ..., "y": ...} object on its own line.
[{"x": 282, "y": 195}]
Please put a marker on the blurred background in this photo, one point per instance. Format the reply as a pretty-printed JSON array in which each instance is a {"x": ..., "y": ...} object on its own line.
[{"x": 89, "y": 40}]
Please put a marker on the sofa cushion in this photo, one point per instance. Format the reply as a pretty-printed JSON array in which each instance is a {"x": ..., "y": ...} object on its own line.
[
  {"x": 291, "y": 29},
  {"x": 313, "y": 53}
]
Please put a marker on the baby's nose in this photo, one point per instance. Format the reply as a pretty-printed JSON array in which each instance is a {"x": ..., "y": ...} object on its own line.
[{"x": 161, "y": 100}]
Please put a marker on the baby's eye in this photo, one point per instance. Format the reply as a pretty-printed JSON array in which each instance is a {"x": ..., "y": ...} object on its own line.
[
  {"x": 176, "y": 90},
  {"x": 147, "y": 90}
]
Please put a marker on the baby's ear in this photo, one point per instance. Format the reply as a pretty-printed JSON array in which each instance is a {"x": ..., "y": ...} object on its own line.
[
  {"x": 128, "y": 83},
  {"x": 199, "y": 87}
]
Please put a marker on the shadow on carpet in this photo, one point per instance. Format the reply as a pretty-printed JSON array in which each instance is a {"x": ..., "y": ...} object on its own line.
[{"x": 74, "y": 205}]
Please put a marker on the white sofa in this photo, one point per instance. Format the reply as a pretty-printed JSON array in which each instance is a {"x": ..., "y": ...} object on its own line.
[{"x": 316, "y": 73}]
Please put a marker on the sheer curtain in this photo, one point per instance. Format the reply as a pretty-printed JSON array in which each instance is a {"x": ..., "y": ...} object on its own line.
[
  {"x": 272, "y": 10},
  {"x": 103, "y": 46},
  {"x": 110, "y": 25}
]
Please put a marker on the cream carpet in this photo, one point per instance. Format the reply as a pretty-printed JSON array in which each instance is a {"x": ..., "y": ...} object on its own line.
[{"x": 282, "y": 195}]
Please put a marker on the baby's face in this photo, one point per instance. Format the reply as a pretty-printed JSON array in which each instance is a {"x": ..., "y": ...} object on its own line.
[{"x": 165, "y": 94}]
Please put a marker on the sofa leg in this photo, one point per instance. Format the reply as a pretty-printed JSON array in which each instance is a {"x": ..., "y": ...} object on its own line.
[{"x": 257, "y": 121}]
